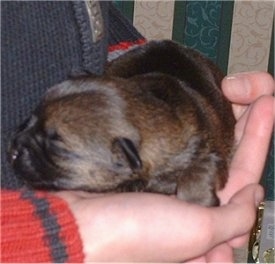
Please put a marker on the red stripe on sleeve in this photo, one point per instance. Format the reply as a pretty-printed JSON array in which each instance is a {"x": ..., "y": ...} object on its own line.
[
  {"x": 126, "y": 45},
  {"x": 22, "y": 232},
  {"x": 23, "y": 235}
]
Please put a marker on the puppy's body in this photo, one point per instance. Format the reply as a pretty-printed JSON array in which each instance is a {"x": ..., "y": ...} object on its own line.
[{"x": 157, "y": 121}]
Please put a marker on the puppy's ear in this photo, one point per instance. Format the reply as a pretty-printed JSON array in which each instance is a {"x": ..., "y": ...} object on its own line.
[
  {"x": 73, "y": 86},
  {"x": 125, "y": 154}
]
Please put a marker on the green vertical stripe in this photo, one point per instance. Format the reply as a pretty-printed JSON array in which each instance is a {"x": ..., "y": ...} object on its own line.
[
  {"x": 126, "y": 7},
  {"x": 271, "y": 55},
  {"x": 268, "y": 178},
  {"x": 223, "y": 46},
  {"x": 202, "y": 26},
  {"x": 179, "y": 21},
  {"x": 268, "y": 175},
  {"x": 205, "y": 26}
]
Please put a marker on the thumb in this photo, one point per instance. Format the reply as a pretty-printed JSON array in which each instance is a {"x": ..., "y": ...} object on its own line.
[
  {"x": 248, "y": 194},
  {"x": 238, "y": 216}
]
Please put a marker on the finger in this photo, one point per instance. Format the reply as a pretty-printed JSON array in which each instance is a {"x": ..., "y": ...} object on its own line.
[
  {"x": 238, "y": 215},
  {"x": 239, "y": 241},
  {"x": 244, "y": 88},
  {"x": 249, "y": 160},
  {"x": 226, "y": 223},
  {"x": 222, "y": 253},
  {"x": 242, "y": 240},
  {"x": 225, "y": 226},
  {"x": 241, "y": 123}
]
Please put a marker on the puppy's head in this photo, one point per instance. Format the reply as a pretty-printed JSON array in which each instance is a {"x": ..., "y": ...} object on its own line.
[{"x": 77, "y": 137}]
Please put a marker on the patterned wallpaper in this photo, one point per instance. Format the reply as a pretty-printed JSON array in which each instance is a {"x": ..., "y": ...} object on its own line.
[
  {"x": 251, "y": 35},
  {"x": 154, "y": 19},
  {"x": 234, "y": 34},
  {"x": 202, "y": 26}
]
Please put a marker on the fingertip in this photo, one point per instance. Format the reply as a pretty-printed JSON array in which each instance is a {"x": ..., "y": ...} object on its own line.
[
  {"x": 240, "y": 241},
  {"x": 258, "y": 195},
  {"x": 250, "y": 194},
  {"x": 244, "y": 88},
  {"x": 222, "y": 253},
  {"x": 236, "y": 87}
]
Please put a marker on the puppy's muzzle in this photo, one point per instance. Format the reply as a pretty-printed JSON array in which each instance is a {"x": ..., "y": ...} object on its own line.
[
  {"x": 18, "y": 148},
  {"x": 24, "y": 154}
]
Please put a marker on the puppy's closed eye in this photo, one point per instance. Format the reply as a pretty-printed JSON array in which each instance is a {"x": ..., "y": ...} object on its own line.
[{"x": 126, "y": 154}]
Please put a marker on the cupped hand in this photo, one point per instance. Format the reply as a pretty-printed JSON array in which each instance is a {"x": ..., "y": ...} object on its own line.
[
  {"x": 143, "y": 227},
  {"x": 253, "y": 107},
  {"x": 151, "y": 227}
]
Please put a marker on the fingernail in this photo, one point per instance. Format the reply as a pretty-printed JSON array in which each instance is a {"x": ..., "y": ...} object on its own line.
[
  {"x": 259, "y": 195},
  {"x": 238, "y": 84}
]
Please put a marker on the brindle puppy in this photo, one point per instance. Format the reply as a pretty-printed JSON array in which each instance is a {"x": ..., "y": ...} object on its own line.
[{"x": 156, "y": 121}]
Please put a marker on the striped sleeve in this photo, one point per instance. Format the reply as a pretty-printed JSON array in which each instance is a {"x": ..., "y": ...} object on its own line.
[
  {"x": 114, "y": 51},
  {"x": 38, "y": 227}
]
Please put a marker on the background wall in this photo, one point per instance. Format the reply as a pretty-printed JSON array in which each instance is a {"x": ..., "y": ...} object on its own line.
[{"x": 235, "y": 34}]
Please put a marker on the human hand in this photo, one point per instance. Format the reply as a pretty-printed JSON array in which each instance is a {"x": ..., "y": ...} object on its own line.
[
  {"x": 144, "y": 227},
  {"x": 151, "y": 227},
  {"x": 253, "y": 106}
]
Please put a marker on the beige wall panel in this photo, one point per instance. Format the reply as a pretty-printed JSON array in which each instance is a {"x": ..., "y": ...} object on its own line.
[
  {"x": 251, "y": 36},
  {"x": 154, "y": 19}
]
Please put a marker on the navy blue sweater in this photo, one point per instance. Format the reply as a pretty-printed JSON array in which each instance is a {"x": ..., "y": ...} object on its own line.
[{"x": 44, "y": 43}]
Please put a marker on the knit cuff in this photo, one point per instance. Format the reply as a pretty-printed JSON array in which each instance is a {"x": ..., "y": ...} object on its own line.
[
  {"x": 38, "y": 227},
  {"x": 114, "y": 51}
]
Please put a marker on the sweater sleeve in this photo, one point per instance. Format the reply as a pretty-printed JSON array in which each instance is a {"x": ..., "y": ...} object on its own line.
[{"x": 38, "y": 227}]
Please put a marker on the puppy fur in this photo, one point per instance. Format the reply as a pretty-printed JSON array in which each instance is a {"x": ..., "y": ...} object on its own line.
[{"x": 156, "y": 121}]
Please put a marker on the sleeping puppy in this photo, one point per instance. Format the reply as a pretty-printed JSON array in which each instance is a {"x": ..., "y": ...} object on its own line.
[{"x": 156, "y": 121}]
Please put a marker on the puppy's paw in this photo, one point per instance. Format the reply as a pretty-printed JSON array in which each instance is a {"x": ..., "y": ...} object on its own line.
[
  {"x": 202, "y": 195},
  {"x": 200, "y": 182}
]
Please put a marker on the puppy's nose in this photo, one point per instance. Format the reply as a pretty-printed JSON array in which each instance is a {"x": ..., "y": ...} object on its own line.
[
  {"x": 16, "y": 147},
  {"x": 14, "y": 154}
]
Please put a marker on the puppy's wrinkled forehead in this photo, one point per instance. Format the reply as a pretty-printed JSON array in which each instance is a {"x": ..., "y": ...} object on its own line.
[
  {"x": 77, "y": 109},
  {"x": 85, "y": 108}
]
